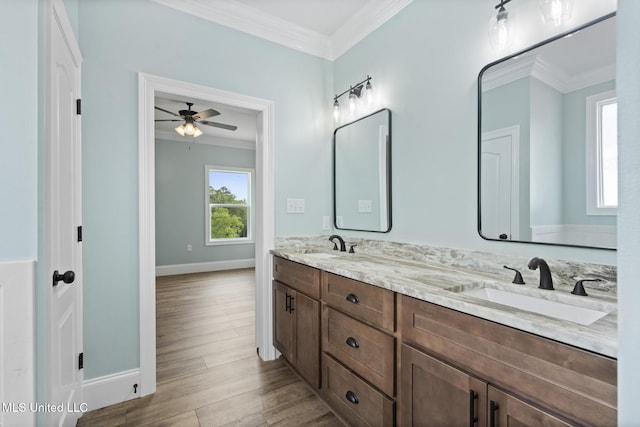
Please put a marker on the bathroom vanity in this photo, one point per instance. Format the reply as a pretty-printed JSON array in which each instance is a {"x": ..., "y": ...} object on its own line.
[{"x": 391, "y": 341}]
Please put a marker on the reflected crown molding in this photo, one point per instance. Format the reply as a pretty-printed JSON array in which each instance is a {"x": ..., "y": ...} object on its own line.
[
  {"x": 546, "y": 72},
  {"x": 255, "y": 22}
]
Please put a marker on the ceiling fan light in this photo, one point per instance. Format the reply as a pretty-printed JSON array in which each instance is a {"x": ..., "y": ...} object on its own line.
[
  {"x": 197, "y": 132},
  {"x": 189, "y": 128},
  {"x": 181, "y": 130}
]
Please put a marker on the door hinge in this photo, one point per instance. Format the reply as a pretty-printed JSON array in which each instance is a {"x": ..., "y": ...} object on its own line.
[
  {"x": 81, "y": 361},
  {"x": 78, "y": 106},
  {"x": 79, "y": 233}
]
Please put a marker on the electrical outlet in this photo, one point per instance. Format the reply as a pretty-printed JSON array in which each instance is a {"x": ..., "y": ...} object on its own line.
[
  {"x": 189, "y": 248},
  {"x": 326, "y": 223}
]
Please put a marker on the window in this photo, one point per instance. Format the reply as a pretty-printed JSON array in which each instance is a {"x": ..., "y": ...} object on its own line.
[
  {"x": 602, "y": 154},
  {"x": 229, "y": 205}
]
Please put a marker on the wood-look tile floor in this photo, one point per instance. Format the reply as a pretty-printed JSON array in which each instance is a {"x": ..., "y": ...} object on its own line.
[{"x": 208, "y": 373}]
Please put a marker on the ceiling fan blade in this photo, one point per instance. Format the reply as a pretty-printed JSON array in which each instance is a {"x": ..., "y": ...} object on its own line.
[
  {"x": 206, "y": 113},
  {"x": 167, "y": 111},
  {"x": 219, "y": 125},
  {"x": 170, "y": 120}
]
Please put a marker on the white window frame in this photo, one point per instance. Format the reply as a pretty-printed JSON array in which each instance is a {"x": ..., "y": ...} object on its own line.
[
  {"x": 250, "y": 207},
  {"x": 594, "y": 190}
]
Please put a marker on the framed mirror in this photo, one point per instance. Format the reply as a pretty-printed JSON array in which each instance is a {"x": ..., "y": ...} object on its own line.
[
  {"x": 362, "y": 174},
  {"x": 547, "y": 141}
]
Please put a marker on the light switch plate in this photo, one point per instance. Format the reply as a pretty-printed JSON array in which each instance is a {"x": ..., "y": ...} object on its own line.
[
  {"x": 364, "y": 206},
  {"x": 295, "y": 206}
]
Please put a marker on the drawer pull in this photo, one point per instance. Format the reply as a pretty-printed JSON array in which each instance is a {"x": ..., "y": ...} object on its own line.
[
  {"x": 473, "y": 419},
  {"x": 351, "y": 397},
  {"x": 352, "y": 342},
  {"x": 353, "y": 298},
  {"x": 493, "y": 408}
]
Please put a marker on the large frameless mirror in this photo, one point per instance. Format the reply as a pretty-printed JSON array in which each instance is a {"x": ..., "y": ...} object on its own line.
[
  {"x": 362, "y": 174},
  {"x": 547, "y": 141}
]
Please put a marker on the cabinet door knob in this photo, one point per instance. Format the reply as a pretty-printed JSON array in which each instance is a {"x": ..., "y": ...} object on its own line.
[
  {"x": 353, "y": 298},
  {"x": 351, "y": 397},
  {"x": 352, "y": 342}
]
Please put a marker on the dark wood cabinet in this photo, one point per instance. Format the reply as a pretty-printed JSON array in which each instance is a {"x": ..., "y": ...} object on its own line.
[
  {"x": 436, "y": 394},
  {"x": 384, "y": 359},
  {"x": 532, "y": 380},
  {"x": 296, "y": 318},
  {"x": 506, "y": 410}
]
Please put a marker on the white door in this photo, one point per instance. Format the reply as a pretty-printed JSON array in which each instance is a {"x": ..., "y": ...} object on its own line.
[
  {"x": 499, "y": 185},
  {"x": 64, "y": 249}
]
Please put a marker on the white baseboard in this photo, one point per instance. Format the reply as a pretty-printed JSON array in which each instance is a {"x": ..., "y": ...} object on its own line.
[
  {"x": 201, "y": 267},
  {"x": 111, "y": 389}
]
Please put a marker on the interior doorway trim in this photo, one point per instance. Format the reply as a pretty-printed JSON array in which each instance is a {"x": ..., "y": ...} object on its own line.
[{"x": 148, "y": 86}]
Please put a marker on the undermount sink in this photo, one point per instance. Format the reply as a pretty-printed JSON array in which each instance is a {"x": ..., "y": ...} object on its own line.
[
  {"x": 319, "y": 255},
  {"x": 556, "y": 309}
]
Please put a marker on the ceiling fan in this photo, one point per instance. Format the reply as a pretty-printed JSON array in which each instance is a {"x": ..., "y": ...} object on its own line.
[{"x": 190, "y": 119}]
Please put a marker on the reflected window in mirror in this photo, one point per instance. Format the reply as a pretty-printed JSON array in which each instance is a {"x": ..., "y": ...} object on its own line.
[
  {"x": 362, "y": 174},
  {"x": 602, "y": 153},
  {"x": 547, "y": 147}
]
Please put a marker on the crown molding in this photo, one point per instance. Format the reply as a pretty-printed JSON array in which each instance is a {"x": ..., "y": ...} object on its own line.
[
  {"x": 241, "y": 17},
  {"x": 547, "y": 73},
  {"x": 364, "y": 23}
]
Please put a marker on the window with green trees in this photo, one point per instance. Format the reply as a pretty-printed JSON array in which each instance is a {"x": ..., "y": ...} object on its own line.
[{"x": 229, "y": 204}]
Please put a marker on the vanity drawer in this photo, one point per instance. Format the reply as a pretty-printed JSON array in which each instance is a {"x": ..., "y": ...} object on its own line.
[
  {"x": 364, "y": 349},
  {"x": 354, "y": 400},
  {"x": 297, "y": 276},
  {"x": 368, "y": 303}
]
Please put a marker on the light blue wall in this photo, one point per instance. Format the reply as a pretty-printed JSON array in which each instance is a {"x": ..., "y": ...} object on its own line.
[
  {"x": 120, "y": 38},
  {"x": 545, "y": 154},
  {"x": 180, "y": 201},
  {"x": 426, "y": 68},
  {"x": 18, "y": 121},
  {"x": 628, "y": 80},
  {"x": 510, "y": 105}
]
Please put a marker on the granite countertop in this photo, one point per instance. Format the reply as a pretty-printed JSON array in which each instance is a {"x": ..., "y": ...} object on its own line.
[{"x": 440, "y": 283}]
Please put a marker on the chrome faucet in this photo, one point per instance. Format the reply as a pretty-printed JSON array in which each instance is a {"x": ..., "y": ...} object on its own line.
[
  {"x": 546, "y": 282},
  {"x": 343, "y": 247}
]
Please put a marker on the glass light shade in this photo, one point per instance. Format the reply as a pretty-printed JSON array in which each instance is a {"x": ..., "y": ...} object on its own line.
[
  {"x": 556, "y": 12},
  {"x": 353, "y": 102},
  {"x": 181, "y": 129},
  {"x": 336, "y": 110},
  {"x": 189, "y": 129},
  {"x": 369, "y": 94},
  {"x": 197, "y": 132},
  {"x": 500, "y": 31}
]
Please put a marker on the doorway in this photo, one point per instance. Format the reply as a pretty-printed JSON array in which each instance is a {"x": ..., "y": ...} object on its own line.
[{"x": 149, "y": 87}]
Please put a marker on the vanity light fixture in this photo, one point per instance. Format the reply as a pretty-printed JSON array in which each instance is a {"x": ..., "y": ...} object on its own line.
[
  {"x": 500, "y": 28},
  {"x": 556, "y": 12},
  {"x": 359, "y": 93}
]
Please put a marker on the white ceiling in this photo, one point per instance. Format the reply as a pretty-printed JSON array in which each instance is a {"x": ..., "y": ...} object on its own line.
[{"x": 325, "y": 28}]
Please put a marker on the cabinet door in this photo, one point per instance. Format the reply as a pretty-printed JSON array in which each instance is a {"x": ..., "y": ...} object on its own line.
[
  {"x": 436, "y": 394},
  {"x": 307, "y": 337},
  {"x": 283, "y": 321},
  {"x": 507, "y": 411}
]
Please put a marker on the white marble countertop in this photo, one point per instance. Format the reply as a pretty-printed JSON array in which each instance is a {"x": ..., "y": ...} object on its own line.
[{"x": 440, "y": 283}]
